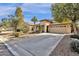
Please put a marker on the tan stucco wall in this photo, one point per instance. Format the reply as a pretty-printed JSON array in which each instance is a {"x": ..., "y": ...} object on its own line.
[{"x": 60, "y": 29}]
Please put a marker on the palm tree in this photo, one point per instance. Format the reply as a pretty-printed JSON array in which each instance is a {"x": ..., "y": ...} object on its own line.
[{"x": 34, "y": 19}]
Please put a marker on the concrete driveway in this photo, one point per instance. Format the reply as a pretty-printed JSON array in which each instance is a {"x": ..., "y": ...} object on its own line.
[{"x": 40, "y": 45}]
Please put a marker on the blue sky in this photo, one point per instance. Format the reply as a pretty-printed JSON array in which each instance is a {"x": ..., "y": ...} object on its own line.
[{"x": 40, "y": 10}]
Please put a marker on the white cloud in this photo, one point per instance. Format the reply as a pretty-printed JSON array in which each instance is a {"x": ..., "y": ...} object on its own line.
[
  {"x": 36, "y": 4},
  {"x": 6, "y": 10},
  {"x": 36, "y": 8}
]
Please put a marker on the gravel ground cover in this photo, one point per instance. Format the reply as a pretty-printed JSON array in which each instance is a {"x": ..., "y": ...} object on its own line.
[{"x": 63, "y": 49}]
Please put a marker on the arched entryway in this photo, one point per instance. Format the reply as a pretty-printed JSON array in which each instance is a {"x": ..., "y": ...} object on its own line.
[
  {"x": 44, "y": 28},
  {"x": 45, "y": 25},
  {"x": 47, "y": 29}
]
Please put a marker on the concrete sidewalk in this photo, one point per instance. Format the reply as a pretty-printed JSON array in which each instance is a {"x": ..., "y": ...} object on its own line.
[{"x": 40, "y": 45}]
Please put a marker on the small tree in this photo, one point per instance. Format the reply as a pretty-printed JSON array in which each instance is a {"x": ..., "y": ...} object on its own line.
[
  {"x": 6, "y": 23},
  {"x": 14, "y": 22},
  {"x": 66, "y": 10}
]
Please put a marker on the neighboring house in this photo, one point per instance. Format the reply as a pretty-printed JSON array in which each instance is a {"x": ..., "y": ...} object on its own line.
[{"x": 33, "y": 27}]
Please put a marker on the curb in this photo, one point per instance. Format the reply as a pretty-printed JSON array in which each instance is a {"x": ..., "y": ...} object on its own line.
[
  {"x": 55, "y": 45},
  {"x": 9, "y": 48},
  {"x": 14, "y": 52},
  {"x": 27, "y": 53}
]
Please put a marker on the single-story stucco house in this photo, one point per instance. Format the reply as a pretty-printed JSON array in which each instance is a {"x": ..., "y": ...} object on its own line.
[{"x": 52, "y": 27}]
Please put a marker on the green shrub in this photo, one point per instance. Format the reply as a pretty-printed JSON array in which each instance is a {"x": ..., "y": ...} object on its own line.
[
  {"x": 75, "y": 45},
  {"x": 75, "y": 36},
  {"x": 25, "y": 30},
  {"x": 17, "y": 34}
]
